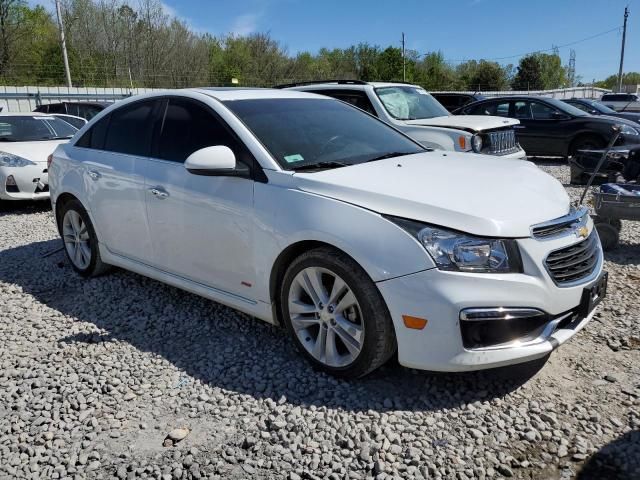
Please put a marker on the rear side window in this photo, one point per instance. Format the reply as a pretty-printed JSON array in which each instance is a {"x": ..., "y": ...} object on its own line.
[
  {"x": 56, "y": 108},
  {"x": 189, "y": 126},
  {"x": 130, "y": 130},
  {"x": 494, "y": 108},
  {"x": 356, "y": 98},
  {"x": 95, "y": 136}
]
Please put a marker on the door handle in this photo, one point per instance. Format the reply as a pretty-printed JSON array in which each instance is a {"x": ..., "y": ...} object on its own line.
[
  {"x": 94, "y": 175},
  {"x": 159, "y": 193}
]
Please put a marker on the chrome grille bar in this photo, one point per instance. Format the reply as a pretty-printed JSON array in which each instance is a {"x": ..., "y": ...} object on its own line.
[{"x": 502, "y": 142}]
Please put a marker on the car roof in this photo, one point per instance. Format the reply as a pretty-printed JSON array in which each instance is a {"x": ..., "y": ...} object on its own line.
[
  {"x": 25, "y": 114},
  {"x": 240, "y": 93}
]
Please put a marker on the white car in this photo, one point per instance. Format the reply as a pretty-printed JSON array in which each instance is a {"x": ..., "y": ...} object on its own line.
[
  {"x": 303, "y": 211},
  {"x": 26, "y": 140},
  {"x": 414, "y": 111}
]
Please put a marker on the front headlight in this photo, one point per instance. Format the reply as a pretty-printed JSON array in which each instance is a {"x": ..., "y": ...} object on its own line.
[
  {"x": 11, "y": 160},
  {"x": 476, "y": 143},
  {"x": 627, "y": 130},
  {"x": 458, "y": 251}
]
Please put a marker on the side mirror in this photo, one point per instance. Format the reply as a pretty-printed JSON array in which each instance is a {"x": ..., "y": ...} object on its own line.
[
  {"x": 594, "y": 112},
  {"x": 216, "y": 161},
  {"x": 558, "y": 116}
]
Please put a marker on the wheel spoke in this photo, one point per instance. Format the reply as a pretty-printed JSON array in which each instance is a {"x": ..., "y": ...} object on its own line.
[
  {"x": 347, "y": 301},
  {"x": 86, "y": 253},
  {"x": 331, "y": 356},
  {"x": 338, "y": 289},
  {"x": 349, "y": 333},
  {"x": 77, "y": 255},
  {"x": 312, "y": 284},
  {"x": 300, "y": 323},
  {"x": 68, "y": 237},
  {"x": 76, "y": 221},
  {"x": 320, "y": 345},
  {"x": 299, "y": 307}
]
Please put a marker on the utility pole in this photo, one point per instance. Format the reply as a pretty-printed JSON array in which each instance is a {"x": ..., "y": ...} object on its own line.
[
  {"x": 63, "y": 43},
  {"x": 624, "y": 36},
  {"x": 404, "y": 67}
]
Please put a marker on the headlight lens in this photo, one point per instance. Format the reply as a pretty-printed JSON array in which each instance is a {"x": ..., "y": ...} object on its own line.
[
  {"x": 476, "y": 143},
  {"x": 627, "y": 130},
  {"x": 11, "y": 160},
  {"x": 458, "y": 251}
]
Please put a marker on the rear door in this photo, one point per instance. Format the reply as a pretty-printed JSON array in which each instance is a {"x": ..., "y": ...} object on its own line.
[
  {"x": 112, "y": 152},
  {"x": 201, "y": 226}
]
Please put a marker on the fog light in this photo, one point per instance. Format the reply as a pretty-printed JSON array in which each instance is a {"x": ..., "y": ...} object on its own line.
[{"x": 11, "y": 182}]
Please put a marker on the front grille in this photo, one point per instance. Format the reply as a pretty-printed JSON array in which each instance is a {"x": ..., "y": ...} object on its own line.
[
  {"x": 561, "y": 226},
  {"x": 573, "y": 263},
  {"x": 502, "y": 142}
]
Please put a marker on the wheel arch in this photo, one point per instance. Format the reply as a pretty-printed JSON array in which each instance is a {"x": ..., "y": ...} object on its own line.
[
  {"x": 583, "y": 135},
  {"x": 283, "y": 261},
  {"x": 61, "y": 201}
]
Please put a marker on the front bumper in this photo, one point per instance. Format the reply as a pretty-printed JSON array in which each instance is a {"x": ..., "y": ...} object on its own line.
[
  {"x": 440, "y": 296},
  {"x": 32, "y": 183},
  {"x": 518, "y": 155}
]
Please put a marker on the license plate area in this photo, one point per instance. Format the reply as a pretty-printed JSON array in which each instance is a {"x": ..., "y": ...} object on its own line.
[{"x": 593, "y": 295}]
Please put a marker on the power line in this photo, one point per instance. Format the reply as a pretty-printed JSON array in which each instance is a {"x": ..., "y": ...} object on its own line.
[{"x": 546, "y": 49}]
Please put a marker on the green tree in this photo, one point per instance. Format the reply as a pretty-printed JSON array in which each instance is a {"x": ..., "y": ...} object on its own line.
[
  {"x": 529, "y": 74},
  {"x": 611, "y": 82},
  {"x": 553, "y": 74}
]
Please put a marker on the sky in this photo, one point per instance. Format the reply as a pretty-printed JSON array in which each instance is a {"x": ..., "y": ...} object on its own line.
[{"x": 461, "y": 29}]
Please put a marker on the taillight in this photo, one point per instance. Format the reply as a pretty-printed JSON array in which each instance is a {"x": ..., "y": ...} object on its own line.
[{"x": 49, "y": 160}]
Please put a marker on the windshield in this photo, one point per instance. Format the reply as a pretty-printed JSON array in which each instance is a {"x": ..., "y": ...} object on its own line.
[
  {"x": 600, "y": 107},
  {"x": 410, "y": 103},
  {"x": 26, "y": 128},
  {"x": 301, "y": 133}
]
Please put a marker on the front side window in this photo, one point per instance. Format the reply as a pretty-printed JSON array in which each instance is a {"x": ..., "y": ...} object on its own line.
[
  {"x": 27, "y": 128},
  {"x": 541, "y": 111},
  {"x": 307, "y": 132},
  {"x": 130, "y": 130},
  {"x": 522, "y": 110},
  {"x": 188, "y": 127},
  {"x": 410, "y": 103}
]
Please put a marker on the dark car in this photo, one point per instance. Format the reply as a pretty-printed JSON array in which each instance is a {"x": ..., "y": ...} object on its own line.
[
  {"x": 86, "y": 110},
  {"x": 618, "y": 161},
  {"x": 551, "y": 128},
  {"x": 453, "y": 101},
  {"x": 596, "y": 108}
]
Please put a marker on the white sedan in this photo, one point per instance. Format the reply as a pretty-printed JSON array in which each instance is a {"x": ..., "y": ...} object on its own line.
[
  {"x": 26, "y": 140},
  {"x": 303, "y": 211}
]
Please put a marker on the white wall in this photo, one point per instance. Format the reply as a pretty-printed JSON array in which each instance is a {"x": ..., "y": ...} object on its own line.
[{"x": 23, "y": 99}]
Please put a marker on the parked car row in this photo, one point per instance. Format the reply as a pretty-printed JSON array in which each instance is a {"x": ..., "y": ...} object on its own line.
[{"x": 336, "y": 222}]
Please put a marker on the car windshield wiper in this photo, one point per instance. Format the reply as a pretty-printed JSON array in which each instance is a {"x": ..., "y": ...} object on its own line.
[
  {"x": 56, "y": 138},
  {"x": 320, "y": 165},
  {"x": 390, "y": 155}
]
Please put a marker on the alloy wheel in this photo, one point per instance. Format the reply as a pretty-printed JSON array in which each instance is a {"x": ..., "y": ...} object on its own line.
[
  {"x": 326, "y": 317},
  {"x": 76, "y": 239}
]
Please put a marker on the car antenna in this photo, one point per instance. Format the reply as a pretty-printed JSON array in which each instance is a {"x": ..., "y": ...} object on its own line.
[{"x": 617, "y": 129}]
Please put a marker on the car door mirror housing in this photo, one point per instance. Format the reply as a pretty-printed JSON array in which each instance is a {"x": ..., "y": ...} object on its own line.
[
  {"x": 216, "y": 161},
  {"x": 559, "y": 116}
]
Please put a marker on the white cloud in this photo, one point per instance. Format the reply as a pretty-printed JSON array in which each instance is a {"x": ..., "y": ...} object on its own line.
[
  {"x": 169, "y": 10},
  {"x": 245, "y": 24}
]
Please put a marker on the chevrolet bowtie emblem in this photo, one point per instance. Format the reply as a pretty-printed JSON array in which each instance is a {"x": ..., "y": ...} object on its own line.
[{"x": 582, "y": 232}]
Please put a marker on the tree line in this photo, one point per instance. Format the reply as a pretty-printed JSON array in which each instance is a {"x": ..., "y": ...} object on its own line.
[{"x": 112, "y": 43}]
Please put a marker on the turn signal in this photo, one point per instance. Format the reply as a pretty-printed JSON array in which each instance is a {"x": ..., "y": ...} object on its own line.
[
  {"x": 415, "y": 323},
  {"x": 462, "y": 142}
]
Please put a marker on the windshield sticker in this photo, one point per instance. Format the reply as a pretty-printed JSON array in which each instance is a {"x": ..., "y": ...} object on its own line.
[{"x": 294, "y": 158}]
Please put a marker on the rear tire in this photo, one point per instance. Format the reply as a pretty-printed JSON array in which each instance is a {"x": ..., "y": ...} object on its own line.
[
  {"x": 586, "y": 143},
  {"x": 335, "y": 314},
  {"x": 80, "y": 240}
]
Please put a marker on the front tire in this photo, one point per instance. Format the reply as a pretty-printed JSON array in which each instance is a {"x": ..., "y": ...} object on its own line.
[
  {"x": 80, "y": 240},
  {"x": 335, "y": 314},
  {"x": 608, "y": 231}
]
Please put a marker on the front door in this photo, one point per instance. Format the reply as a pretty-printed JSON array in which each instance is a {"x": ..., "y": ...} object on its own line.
[
  {"x": 541, "y": 130},
  {"x": 201, "y": 226}
]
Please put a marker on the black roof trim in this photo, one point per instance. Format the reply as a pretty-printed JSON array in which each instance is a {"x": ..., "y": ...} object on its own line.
[{"x": 317, "y": 82}]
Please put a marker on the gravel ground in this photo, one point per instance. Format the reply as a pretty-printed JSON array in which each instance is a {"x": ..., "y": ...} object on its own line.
[{"x": 124, "y": 377}]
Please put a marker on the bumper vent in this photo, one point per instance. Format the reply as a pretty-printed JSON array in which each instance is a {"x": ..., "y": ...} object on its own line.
[
  {"x": 574, "y": 263},
  {"x": 502, "y": 142}
]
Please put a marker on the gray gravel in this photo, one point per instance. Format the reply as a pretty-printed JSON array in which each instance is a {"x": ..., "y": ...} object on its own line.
[{"x": 124, "y": 377}]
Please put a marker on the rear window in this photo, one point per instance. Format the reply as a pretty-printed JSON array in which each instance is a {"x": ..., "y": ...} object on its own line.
[{"x": 27, "y": 128}]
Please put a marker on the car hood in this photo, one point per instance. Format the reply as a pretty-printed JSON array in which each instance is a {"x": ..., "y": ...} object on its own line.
[
  {"x": 619, "y": 120},
  {"x": 470, "y": 123},
  {"x": 472, "y": 193},
  {"x": 34, "y": 151}
]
